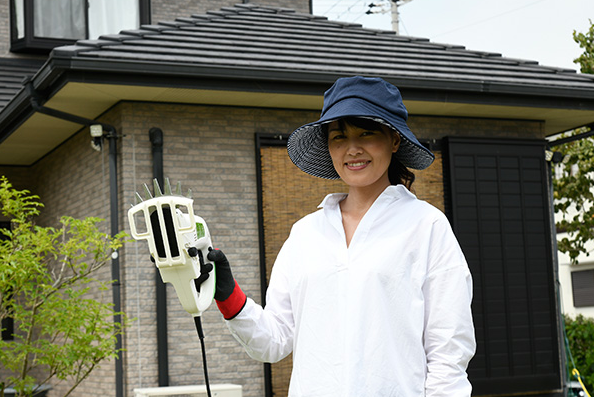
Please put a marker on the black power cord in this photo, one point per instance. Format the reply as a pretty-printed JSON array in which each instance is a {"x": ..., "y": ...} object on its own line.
[{"x": 198, "y": 323}]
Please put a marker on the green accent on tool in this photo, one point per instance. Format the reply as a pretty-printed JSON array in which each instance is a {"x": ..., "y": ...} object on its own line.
[{"x": 200, "y": 230}]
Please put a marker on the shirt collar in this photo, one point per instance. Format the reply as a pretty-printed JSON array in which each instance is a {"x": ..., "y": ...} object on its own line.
[{"x": 395, "y": 191}]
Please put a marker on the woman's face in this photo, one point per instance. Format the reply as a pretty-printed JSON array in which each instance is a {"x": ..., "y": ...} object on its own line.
[{"x": 361, "y": 156}]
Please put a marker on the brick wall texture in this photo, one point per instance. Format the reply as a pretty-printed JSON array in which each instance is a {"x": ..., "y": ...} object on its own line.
[
  {"x": 210, "y": 149},
  {"x": 4, "y": 28}
]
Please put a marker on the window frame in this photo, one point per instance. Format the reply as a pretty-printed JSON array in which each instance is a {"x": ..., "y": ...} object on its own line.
[{"x": 43, "y": 45}]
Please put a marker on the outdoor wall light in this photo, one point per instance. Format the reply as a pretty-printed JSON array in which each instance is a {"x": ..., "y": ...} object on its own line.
[
  {"x": 555, "y": 157},
  {"x": 97, "y": 136}
]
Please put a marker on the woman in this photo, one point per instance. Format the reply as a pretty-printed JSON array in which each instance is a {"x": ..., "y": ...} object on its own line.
[{"x": 371, "y": 293}]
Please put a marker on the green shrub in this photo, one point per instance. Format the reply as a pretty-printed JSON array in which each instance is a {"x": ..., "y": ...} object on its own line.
[
  {"x": 580, "y": 336},
  {"x": 45, "y": 273}
]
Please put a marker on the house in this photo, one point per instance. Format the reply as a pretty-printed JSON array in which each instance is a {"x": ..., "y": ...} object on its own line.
[
  {"x": 577, "y": 283},
  {"x": 208, "y": 98}
]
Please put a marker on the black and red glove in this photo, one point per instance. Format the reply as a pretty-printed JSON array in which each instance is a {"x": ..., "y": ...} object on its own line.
[{"x": 229, "y": 297}]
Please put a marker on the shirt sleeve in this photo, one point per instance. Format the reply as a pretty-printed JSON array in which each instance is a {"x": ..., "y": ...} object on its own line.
[
  {"x": 448, "y": 338},
  {"x": 267, "y": 333}
]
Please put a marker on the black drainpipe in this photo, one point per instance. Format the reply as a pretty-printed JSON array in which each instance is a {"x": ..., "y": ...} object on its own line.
[
  {"x": 557, "y": 157},
  {"x": 111, "y": 135},
  {"x": 156, "y": 137}
]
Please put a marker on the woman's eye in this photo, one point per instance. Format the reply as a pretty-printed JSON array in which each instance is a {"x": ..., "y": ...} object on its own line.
[
  {"x": 337, "y": 137},
  {"x": 367, "y": 133}
]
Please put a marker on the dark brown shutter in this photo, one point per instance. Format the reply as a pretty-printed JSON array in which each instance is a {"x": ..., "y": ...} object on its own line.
[{"x": 499, "y": 210}]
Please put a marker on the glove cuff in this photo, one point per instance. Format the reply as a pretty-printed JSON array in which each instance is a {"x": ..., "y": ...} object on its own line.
[{"x": 231, "y": 306}]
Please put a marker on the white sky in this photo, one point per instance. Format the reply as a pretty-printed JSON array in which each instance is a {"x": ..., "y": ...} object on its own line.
[{"x": 538, "y": 30}]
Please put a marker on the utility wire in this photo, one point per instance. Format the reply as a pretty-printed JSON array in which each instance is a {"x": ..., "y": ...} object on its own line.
[
  {"x": 401, "y": 21},
  {"x": 361, "y": 13},
  {"x": 331, "y": 8},
  {"x": 488, "y": 19},
  {"x": 348, "y": 10}
]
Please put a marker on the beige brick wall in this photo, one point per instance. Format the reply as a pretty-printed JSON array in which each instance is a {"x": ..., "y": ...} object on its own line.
[
  {"x": 439, "y": 127},
  {"x": 74, "y": 180}
]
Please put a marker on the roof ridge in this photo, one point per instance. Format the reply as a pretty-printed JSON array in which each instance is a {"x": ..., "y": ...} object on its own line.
[
  {"x": 255, "y": 23},
  {"x": 249, "y": 7},
  {"x": 252, "y": 6}
]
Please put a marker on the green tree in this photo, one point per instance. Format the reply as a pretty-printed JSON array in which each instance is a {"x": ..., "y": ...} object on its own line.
[
  {"x": 586, "y": 42},
  {"x": 572, "y": 186},
  {"x": 45, "y": 275},
  {"x": 574, "y": 177},
  {"x": 580, "y": 342}
]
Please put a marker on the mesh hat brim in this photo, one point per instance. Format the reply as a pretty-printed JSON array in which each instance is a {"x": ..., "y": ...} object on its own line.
[{"x": 308, "y": 149}]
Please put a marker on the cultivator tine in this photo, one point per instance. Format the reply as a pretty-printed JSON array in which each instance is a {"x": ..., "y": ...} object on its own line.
[
  {"x": 158, "y": 193},
  {"x": 147, "y": 192},
  {"x": 156, "y": 188},
  {"x": 167, "y": 187}
]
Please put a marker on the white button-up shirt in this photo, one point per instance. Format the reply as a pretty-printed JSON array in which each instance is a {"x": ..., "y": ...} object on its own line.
[{"x": 389, "y": 315}]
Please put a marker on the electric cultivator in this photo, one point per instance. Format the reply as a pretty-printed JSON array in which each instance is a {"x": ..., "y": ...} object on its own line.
[{"x": 179, "y": 242}]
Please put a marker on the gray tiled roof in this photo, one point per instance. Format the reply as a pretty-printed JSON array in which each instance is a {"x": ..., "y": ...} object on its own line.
[
  {"x": 12, "y": 73},
  {"x": 254, "y": 37}
]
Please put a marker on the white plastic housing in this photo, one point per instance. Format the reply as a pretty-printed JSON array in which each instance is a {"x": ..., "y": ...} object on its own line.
[{"x": 175, "y": 264}]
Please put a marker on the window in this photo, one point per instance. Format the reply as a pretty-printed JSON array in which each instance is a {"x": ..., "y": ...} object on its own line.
[
  {"x": 37, "y": 26},
  {"x": 7, "y": 324},
  {"x": 582, "y": 283}
]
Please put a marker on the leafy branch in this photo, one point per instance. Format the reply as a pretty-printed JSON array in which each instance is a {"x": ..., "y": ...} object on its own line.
[
  {"x": 574, "y": 177},
  {"x": 586, "y": 41},
  {"x": 572, "y": 184},
  {"x": 47, "y": 287}
]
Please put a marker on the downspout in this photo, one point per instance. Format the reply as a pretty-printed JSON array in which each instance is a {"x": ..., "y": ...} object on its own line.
[
  {"x": 112, "y": 136},
  {"x": 557, "y": 157},
  {"x": 115, "y": 258},
  {"x": 156, "y": 138},
  {"x": 560, "y": 323}
]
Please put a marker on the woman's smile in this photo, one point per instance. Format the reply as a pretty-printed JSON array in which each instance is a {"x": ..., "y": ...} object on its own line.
[{"x": 357, "y": 165}]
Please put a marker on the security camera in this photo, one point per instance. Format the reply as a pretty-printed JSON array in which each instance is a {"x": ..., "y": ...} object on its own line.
[{"x": 96, "y": 144}]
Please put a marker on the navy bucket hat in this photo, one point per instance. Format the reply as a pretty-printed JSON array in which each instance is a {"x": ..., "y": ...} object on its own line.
[{"x": 364, "y": 97}]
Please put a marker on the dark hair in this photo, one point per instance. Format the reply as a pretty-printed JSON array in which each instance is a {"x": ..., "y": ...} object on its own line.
[{"x": 397, "y": 172}]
